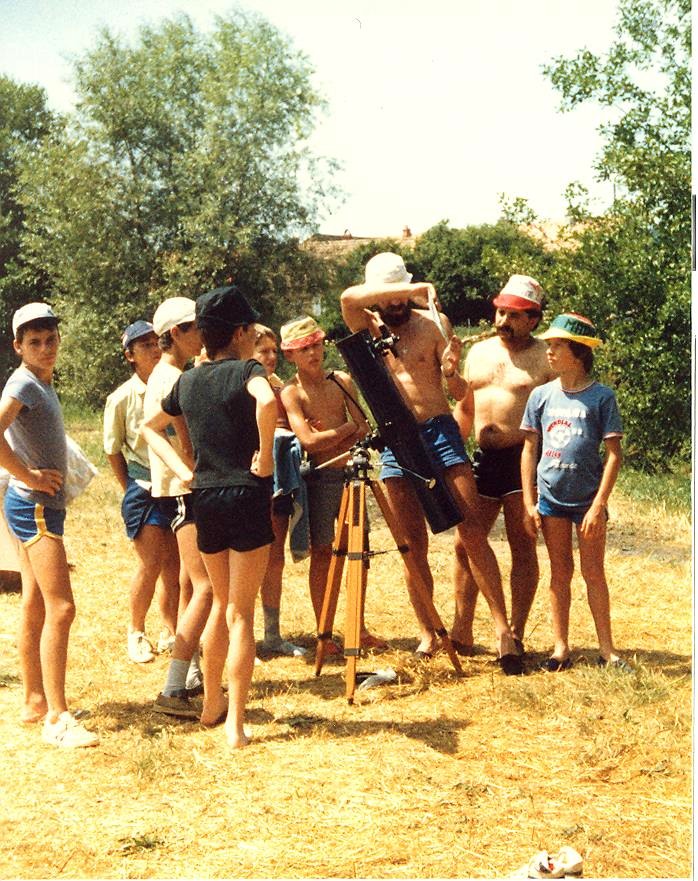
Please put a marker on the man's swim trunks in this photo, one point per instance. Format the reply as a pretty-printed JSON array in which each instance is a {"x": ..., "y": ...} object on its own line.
[
  {"x": 443, "y": 441},
  {"x": 498, "y": 472}
]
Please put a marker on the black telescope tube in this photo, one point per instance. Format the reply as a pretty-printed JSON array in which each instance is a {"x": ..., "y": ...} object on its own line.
[{"x": 399, "y": 429}]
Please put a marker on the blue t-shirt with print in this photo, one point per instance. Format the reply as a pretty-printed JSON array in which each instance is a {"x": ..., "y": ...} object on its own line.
[{"x": 571, "y": 426}]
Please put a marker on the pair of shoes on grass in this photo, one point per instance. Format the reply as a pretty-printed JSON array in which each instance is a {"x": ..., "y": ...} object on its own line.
[
  {"x": 566, "y": 863},
  {"x": 68, "y": 733}
]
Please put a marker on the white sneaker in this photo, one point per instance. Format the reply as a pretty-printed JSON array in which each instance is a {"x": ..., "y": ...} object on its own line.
[
  {"x": 140, "y": 651},
  {"x": 166, "y": 642},
  {"x": 68, "y": 732}
]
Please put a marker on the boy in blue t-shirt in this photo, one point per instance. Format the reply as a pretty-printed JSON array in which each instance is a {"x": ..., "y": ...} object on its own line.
[
  {"x": 567, "y": 419},
  {"x": 33, "y": 450}
]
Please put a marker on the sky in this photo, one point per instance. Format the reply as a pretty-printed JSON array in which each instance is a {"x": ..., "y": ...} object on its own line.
[{"x": 434, "y": 107}]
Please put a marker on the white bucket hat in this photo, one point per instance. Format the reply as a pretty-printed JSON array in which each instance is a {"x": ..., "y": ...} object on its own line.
[{"x": 387, "y": 268}]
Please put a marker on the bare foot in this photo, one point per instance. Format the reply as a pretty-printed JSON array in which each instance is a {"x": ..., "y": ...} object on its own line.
[
  {"x": 236, "y": 739},
  {"x": 33, "y": 711},
  {"x": 464, "y": 649},
  {"x": 506, "y": 645},
  {"x": 373, "y": 643},
  {"x": 332, "y": 650},
  {"x": 214, "y": 712}
]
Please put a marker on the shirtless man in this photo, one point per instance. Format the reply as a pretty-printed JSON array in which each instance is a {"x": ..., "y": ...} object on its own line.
[
  {"x": 501, "y": 372},
  {"x": 424, "y": 362},
  {"x": 327, "y": 423}
]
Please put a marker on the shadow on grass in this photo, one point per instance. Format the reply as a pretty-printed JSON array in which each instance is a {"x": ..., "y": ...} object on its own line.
[
  {"x": 441, "y": 737},
  {"x": 132, "y": 716}
]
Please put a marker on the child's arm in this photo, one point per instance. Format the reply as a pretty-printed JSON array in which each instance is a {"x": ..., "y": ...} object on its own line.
[
  {"x": 120, "y": 468},
  {"x": 594, "y": 521},
  {"x": 263, "y": 460},
  {"x": 45, "y": 480},
  {"x": 152, "y": 432},
  {"x": 351, "y": 395},
  {"x": 311, "y": 440},
  {"x": 529, "y": 463}
]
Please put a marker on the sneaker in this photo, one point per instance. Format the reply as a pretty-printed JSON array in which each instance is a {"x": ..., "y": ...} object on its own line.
[
  {"x": 175, "y": 705},
  {"x": 67, "y": 732},
  {"x": 166, "y": 642},
  {"x": 140, "y": 651}
]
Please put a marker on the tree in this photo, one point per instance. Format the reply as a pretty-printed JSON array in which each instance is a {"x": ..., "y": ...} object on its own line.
[
  {"x": 469, "y": 265},
  {"x": 24, "y": 121},
  {"x": 180, "y": 169},
  {"x": 630, "y": 270}
]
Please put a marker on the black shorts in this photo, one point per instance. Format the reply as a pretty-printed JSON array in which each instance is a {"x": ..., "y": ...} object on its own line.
[
  {"x": 498, "y": 472},
  {"x": 233, "y": 517},
  {"x": 179, "y": 510}
]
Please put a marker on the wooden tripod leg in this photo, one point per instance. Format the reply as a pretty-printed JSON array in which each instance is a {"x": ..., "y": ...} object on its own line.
[
  {"x": 355, "y": 570},
  {"x": 334, "y": 580},
  {"x": 403, "y": 547}
]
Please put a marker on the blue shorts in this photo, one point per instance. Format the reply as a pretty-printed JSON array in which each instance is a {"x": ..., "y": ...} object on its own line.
[
  {"x": 139, "y": 509},
  {"x": 443, "y": 442},
  {"x": 29, "y": 521},
  {"x": 177, "y": 510},
  {"x": 546, "y": 508}
]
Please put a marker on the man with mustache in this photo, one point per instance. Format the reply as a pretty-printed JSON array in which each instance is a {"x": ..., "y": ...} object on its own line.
[
  {"x": 501, "y": 372},
  {"x": 425, "y": 363}
]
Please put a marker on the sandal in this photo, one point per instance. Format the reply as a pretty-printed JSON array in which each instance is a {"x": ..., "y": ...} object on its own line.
[{"x": 555, "y": 665}]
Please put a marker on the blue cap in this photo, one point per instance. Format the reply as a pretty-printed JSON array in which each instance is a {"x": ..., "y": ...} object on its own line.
[{"x": 135, "y": 331}]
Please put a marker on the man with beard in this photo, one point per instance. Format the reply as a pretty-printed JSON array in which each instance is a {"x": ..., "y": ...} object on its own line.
[
  {"x": 501, "y": 373},
  {"x": 424, "y": 362}
]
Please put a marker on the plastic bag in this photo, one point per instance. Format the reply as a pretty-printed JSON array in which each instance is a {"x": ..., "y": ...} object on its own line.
[{"x": 80, "y": 471}]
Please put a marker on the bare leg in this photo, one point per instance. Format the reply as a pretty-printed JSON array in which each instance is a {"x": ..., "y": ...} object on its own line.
[
  {"x": 320, "y": 558},
  {"x": 148, "y": 547},
  {"x": 464, "y": 586},
  {"x": 524, "y": 563},
  {"x": 246, "y": 571},
  {"x": 192, "y": 622},
  {"x": 216, "y": 637},
  {"x": 185, "y": 586},
  {"x": 483, "y": 563},
  {"x": 31, "y": 624},
  {"x": 406, "y": 508},
  {"x": 557, "y": 532},
  {"x": 48, "y": 563},
  {"x": 591, "y": 554},
  {"x": 168, "y": 597},
  {"x": 271, "y": 583}
]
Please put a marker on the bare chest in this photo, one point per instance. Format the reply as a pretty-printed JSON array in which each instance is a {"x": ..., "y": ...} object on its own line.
[{"x": 513, "y": 375}]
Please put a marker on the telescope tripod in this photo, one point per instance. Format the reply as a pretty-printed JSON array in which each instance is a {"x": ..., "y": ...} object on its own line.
[{"x": 351, "y": 542}]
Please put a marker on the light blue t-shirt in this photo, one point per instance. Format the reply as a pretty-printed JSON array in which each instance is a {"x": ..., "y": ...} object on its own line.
[
  {"x": 571, "y": 426},
  {"x": 37, "y": 435}
]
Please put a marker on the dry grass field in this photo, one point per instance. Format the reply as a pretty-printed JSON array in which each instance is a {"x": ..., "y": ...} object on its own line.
[{"x": 434, "y": 777}]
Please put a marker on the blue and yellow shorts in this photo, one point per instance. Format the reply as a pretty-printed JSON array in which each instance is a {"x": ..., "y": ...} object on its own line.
[{"x": 29, "y": 521}]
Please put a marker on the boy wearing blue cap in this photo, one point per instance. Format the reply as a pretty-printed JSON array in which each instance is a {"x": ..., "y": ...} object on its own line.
[
  {"x": 33, "y": 450},
  {"x": 568, "y": 419},
  {"x": 146, "y": 526}
]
